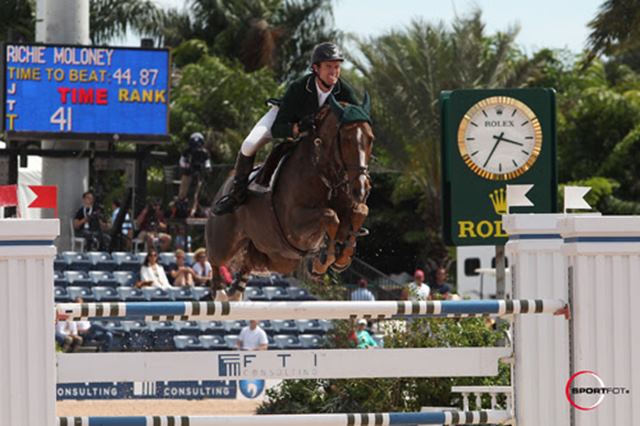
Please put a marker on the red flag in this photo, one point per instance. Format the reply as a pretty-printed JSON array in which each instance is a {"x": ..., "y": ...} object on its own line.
[
  {"x": 46, "y": 197},
  {"x": 8, "y": 195}
]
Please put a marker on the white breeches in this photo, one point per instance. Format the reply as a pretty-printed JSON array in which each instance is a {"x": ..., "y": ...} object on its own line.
[{"x": 260, "y": 135}]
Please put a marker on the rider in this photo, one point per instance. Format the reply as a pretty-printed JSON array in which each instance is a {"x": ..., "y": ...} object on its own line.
[{"x": 292, "y": 118}]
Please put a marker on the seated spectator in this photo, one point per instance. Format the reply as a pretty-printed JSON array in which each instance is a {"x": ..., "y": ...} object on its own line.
[
  {"x": 202, "y": 267},
  {"x": 365, "y": 341},
  {"x": 67, "y": 335},
  {"x": 439, "y": 284},
  {"x": 181, "y": 274},
  {"x": 252, "y": 338},
  {"x": 152, "y": 273},
  {"x": 362, "y": 293},
  {"x": 89, "y": 223},
  {"x": 153, "y": 226},
  {"x": 94, "y": 332},
  {"x": 417, "y": 290}
]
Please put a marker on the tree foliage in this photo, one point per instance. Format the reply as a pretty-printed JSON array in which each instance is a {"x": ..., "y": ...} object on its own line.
[{"x": 17, "y": 20}]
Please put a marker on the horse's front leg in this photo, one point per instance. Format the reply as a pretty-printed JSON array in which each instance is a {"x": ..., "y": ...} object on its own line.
[
  {"x": 323, "y": 222},
  {"x": 358, "y": 216}
]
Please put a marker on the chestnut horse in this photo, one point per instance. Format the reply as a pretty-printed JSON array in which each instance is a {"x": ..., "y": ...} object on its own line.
[{"x": 315, "y": 209}]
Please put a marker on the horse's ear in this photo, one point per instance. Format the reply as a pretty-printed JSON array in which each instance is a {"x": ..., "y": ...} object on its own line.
[
  {"x": 366, "y": 103},
  {"x": 335, "y": 106}
]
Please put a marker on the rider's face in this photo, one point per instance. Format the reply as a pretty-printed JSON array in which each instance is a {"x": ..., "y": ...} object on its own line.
[{"x": 329, "y": 72}]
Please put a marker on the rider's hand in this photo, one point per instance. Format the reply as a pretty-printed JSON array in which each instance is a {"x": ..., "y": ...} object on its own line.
[
  {"x": 295, "y": 131},
  {"x": 307, "y": 124}
]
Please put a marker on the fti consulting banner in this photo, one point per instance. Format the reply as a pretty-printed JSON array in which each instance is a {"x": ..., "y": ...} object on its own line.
[{"x": 79, "y": 91}]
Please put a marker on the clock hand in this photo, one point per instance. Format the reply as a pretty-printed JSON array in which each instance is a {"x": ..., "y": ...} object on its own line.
[
  {"x": 499, "y": 138},
  {"x": 508, "y": 140}
]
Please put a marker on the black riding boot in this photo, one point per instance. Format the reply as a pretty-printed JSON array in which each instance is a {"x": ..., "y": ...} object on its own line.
[{"x": 238, "y": 193}]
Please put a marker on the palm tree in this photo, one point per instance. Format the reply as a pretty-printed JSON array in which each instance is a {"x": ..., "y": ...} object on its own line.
[
  {"x": 276, "y": 34},
  {"x": 615, "y": 28},
  {"x": 17, "y": 20},
  {"x": 109, "y": 19},
  {"x": 406, "y": 72}
]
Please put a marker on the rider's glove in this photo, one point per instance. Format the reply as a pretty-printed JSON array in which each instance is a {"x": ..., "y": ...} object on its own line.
[{"x": 307, "y": 124}]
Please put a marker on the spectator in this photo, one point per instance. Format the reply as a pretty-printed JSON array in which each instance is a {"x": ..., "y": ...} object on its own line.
[
  {"x": 153, "y": 227},
  {"x": 67, "y": 335},
  {"x": 365, "y": 341},
  {"x": 417, "y": 290},
  {"x": 202, "y": 267},
  {"x": 195, "y": 163},
  {"x": 439, "y": 284},
  {"x": 152, "y": 273},
  {"x": 89, "y": 223},
  {"x": 362, "y": 293},
  {"x": 252, "y": 338},
  {"x": 94, "y": 332},
  {"x": 181, "y": 274},
  {"x": 127, "y": 225}
]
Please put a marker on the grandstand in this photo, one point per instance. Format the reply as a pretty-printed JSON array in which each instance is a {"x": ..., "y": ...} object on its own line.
[{"x": 111, "y": 277}]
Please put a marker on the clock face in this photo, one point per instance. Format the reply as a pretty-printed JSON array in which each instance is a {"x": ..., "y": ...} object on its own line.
[{"x": 499, "y": 138}]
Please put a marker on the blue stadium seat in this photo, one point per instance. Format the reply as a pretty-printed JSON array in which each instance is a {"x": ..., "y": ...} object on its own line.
[
  {"x": 272, "y": 342},
  {"x": 311, "y": 341},
  {"x": 61, "y": 295},
  {"x": 255, "y": 281},
  {"x": 255, "y": 294},
  {"x": 267, "y": 326},
  {"x": 326, "y": 324},
  {"x": 188, "y": 343},
  {"x": 167, "y": 258},
  {"x": 61, "y": 282},
  {"x": 279, "y": 281},
  {"x": 297, "y": 293},
  {"x": 181, "y": 293},
  {"x": 287, "y": 341},
  {"x": 285, "y": 326},
  {"x": 234, "y": 327},
  {"x": 84, "y": 292},
  {"x": 231, "y": 341},
  {"x": 76, "y": 260},
  {"x": 106, "y": 294},
  {"x": 97, "y": 276},
  {"x": 132, "y": 262},
  {"x": 276, "y": 294},
  {"x": 101, "y": 261},
  {"x": 200, "y": 293},
  {"x": 190, "y": 258},
  {"x": 156, "y": 294},
  {"x": 125, "y": 278},
  {"x": 60, "y": 263},
  {"x": 131, "y": 294},
  {"x": 310, "y": 326},
  {"x": 213, "y": 327},
  {"x": 192, "y": 328},
  {"x": 213, "y": 342}
]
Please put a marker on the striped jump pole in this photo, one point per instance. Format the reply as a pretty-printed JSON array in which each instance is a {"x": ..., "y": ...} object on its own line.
[
  {"x": 370, "y": 419},
  {"x": 167, "y": 311}
]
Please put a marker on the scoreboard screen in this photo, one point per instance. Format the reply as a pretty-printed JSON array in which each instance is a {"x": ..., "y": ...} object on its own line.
[{"x": 85, "y": 92}]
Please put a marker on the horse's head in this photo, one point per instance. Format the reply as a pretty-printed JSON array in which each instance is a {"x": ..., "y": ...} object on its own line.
[{"x": 345, "y": 140}]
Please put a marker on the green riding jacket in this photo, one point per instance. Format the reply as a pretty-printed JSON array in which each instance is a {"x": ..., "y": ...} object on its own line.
[{"x": 301, "y": 100}]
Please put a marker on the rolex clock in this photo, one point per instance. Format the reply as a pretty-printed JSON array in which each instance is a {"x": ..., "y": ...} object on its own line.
[
  {"x": 499, "y": 138},
  {"x": 491, "y": 139}
]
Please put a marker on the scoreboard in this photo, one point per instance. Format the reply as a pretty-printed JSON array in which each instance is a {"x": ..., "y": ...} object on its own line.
[{"x": 85, "y": 92}]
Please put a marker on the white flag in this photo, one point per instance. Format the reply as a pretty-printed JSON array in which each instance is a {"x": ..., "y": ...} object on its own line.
[
  {"x": 574, "y": 197},
  {"x": 517, "y": 196}
]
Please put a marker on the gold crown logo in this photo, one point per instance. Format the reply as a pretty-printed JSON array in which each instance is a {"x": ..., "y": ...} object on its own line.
[{"x": 499, "y": 201}]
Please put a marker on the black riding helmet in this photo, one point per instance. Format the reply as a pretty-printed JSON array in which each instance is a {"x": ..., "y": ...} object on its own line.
[
  {"x": 196, "y": 140},
  {"x": 326, "y": 51}
]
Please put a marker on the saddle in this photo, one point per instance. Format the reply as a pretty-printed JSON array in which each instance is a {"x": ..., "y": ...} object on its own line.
[{"x": 264, "y": 177}]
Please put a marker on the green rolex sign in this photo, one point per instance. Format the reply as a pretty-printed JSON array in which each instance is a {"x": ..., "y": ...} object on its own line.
[{"x": 491, "y": 138}]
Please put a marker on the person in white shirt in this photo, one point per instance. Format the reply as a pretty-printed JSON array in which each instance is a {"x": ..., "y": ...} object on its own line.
[
  {"x": 417, "y": 290},
  {"x": 252, "y": 338},
  {"x": 362, "y": 293},
  {"x": 67, "y": 335},
  {"x": 152, "y": 273},
  {"x": 202, "y": 267}
]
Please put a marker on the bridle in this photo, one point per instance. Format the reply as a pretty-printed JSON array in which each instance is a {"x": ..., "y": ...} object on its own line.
[{"x": 337, "y": 179}]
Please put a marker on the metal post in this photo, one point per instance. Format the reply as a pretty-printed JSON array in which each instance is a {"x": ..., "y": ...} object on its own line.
[{"x": 500, "y": 272}]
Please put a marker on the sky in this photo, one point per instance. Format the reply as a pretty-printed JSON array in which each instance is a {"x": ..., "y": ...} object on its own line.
[{"x": 543, "y": 23}]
